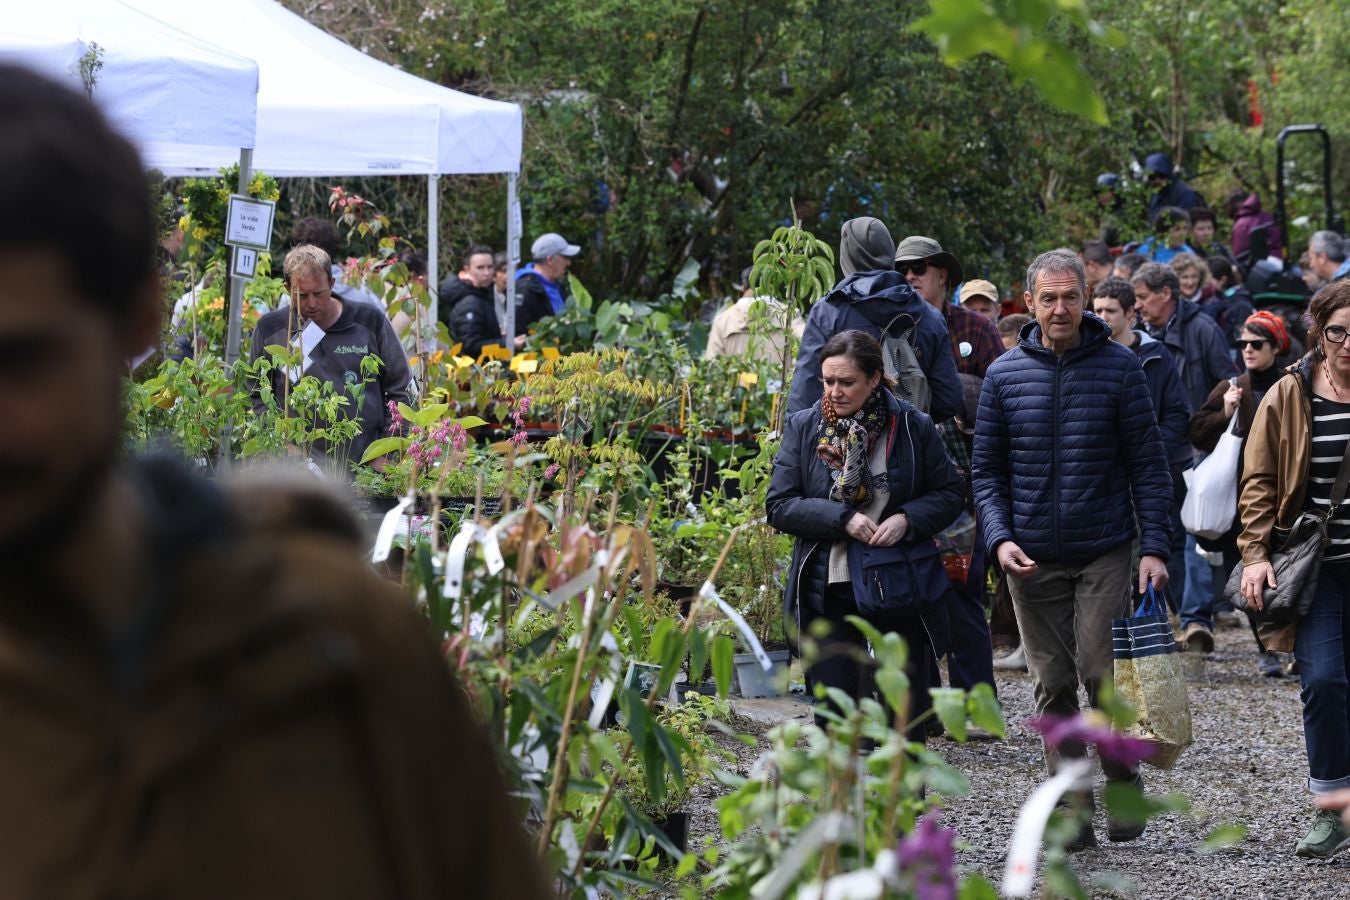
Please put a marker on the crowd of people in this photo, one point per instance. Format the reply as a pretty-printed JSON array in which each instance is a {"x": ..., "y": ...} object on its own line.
[{"x": 1069, "y": 433}]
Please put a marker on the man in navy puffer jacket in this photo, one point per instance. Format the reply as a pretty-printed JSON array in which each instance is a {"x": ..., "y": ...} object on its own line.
[{"x": 1068, "y": 468}]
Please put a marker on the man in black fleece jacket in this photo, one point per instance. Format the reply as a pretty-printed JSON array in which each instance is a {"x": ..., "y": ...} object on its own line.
[{"x": 351, "y": 332}]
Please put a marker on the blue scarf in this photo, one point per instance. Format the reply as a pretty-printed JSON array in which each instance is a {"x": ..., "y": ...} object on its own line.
[{"x": 555, "y": 295}]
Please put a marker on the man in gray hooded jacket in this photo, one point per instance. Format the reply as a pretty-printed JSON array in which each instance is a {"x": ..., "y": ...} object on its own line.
[{"x": 870, "y": 297}]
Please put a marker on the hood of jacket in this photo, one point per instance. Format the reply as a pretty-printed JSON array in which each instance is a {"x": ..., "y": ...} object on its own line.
[
  {"x": 1149, "y": 348},
  {"x": 865, "y": 245},
  {"x": 1093, "y": 331},
  {"x": 1249, "y": 207},
  {"x": 878, "y": 296}
]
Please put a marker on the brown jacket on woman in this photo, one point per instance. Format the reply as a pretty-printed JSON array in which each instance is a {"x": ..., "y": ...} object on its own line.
[{"x": 1275, "y": 475}]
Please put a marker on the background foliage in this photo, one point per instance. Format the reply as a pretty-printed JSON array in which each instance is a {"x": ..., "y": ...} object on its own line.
[{"x": 660, "y": 132}]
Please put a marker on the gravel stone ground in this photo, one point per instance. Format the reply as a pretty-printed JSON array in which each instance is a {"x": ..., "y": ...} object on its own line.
[{"x": 1247, "y": 766}]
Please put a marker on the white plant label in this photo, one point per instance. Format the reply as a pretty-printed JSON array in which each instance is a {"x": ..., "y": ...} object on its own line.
[
  {"x": 708, "y": 592},
  {"x": 1020, "y": 876},
  {"x": 453, "y": 586},
  {"x": 384, "y": 538},
  {"x": 248, "y": 222}
]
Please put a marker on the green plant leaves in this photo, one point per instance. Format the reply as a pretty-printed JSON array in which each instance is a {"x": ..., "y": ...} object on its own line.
[
  {"x": 383, "y": 446},
  {"x": 950, "y": 706},
  {"x": 1224, "y": 836},
  {"x": 722, "y": 651}
]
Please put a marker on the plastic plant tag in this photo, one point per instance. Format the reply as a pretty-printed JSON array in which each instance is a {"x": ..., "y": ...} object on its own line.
[
  {"x": 384, "y": 538},
  {"x": 709, "y": 592},
  {"x": 492, "y": 552},
  {"x": 455, "y": 554},
  {"x": 1019, "y": 877}
]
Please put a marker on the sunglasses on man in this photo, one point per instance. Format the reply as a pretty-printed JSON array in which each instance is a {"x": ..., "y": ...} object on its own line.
[
  {"x": 917, "y": 266},
  {"x": 1254, "y": 343}
]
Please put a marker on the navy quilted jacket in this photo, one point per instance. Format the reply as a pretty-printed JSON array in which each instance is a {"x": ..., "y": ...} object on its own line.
[{"x": 1067, "y": 451}]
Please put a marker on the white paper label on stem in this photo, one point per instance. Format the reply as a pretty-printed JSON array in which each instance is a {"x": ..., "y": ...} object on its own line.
[
  {"x": 708, "y": 592},
  {"x": 384, "y": 538}
]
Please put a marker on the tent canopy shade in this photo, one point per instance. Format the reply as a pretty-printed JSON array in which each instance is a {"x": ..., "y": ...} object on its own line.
[
  {"x": 159, "y": 86},
  {"x": 327, "y": 109}
]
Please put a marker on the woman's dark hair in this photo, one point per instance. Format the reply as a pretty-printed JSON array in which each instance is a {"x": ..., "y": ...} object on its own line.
[
  {"x": 1169, "y": 216},
  {"x": 1333, "y": 297},
  {"x": 860, "y": 347},
  {"x": 499, "y": 261},
  {"x": 1221, "y": 269},
  {"x": 75, "y": 186}
]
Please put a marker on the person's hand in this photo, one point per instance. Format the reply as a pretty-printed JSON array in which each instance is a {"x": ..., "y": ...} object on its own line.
[
  {"x": 891, "y": 532},
  {"x": 1230, "y": 400},
  {"x": 1014, "y": 561},
  {"x": 1337, "y": 801},
  {"x": 1255, "y": 577},
  {"x": 1152, "y": 569},
  {"x": 520, "y": 341},
  {"x": 861, "y": 528}
]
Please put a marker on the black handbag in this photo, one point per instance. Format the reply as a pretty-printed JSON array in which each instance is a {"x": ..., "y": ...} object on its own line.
[
  {"x": 1297, "y": 563},
  {"x": 906, "y": 579}
]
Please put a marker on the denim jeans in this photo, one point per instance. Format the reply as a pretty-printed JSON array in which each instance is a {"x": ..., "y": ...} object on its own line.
[
  {"x": 1181, "y": 542},
  {"x": 1322, "y": 646},
  {"x": 1196, "y": 589}
]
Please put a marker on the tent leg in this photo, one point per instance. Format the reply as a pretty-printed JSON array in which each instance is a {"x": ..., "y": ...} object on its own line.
[
  {"x": 234, "y": 336},
  {"x": 433, "y": 245},
  {"x": 513, "y": 228}
]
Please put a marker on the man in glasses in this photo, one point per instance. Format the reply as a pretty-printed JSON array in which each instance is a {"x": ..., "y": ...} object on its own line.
[{"x": 933, "y": 272}]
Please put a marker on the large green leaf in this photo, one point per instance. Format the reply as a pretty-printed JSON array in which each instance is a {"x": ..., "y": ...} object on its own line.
[
  {"x": 950, "y": 706},
  {"x": 722, "y": 651},
  {"x": 383, "y": 446}
]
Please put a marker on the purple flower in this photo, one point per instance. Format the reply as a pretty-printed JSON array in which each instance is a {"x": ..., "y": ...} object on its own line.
[
  {"x": 928, "y": 855},
  {"x": 395, "y": 417},
  {"x": 520, "y": 438},
  {"x": 1093, "y": 728},
  {"x": 552, "y": 471}
]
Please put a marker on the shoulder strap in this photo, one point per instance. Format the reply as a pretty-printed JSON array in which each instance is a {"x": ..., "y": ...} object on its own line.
[{"x": 1342, "y": 477}]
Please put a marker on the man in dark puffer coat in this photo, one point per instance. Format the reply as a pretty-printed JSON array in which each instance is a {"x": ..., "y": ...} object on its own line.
[{"x": 1068, "y": 457}]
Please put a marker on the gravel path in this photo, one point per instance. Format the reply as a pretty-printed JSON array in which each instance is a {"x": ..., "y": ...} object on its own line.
[{"x": 1247, "y": 766}]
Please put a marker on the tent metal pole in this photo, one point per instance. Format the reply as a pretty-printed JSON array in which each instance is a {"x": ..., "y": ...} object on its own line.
[
  {"x": 433, "y": 244},
  {"x": 234, "y": 335},
  {"x": 513, "y": 224}
]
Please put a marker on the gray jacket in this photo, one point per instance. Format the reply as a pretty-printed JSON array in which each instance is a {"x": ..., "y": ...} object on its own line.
[{"x": 1198, "y": 350}]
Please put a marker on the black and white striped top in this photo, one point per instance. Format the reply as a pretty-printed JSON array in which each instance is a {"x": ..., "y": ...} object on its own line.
[{"x": 1330, "y": 435}]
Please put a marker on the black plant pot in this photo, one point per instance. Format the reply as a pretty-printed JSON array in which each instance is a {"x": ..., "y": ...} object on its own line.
[{"x": 674, "y": 826}]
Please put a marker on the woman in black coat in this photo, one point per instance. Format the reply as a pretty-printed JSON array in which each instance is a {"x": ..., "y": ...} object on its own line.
[{"x": 863, "y": 482}]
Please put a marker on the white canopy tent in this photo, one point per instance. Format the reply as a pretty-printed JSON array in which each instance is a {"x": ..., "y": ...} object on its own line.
[
  {"x": 167, "y": 91},
  {"x": 326, "y": 108}
]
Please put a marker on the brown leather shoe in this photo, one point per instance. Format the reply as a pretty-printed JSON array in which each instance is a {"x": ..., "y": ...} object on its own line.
[{"x": 1198, "y": 638}]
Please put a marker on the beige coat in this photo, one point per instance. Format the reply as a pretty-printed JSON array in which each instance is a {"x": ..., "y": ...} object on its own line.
[{"x": 731, "y": 330}]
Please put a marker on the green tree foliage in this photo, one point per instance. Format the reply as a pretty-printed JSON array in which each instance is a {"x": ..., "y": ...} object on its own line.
[{"x": 660, "y": 132}]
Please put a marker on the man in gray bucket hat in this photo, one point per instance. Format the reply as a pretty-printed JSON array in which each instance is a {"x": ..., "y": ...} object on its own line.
[{"x": 870, "y": 297}]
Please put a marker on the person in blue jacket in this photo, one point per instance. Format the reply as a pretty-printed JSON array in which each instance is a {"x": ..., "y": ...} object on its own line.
[
  {"x": 869, "y": 298},
  {"x": 1113, "y": 301},
  {"x": 1168, "y": 188},
  {"x": 858, "y": 472},
  {"x": 1069, "y": 469}
]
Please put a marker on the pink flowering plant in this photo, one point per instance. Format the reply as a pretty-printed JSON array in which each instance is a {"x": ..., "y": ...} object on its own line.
[{"x": 429, "y": 452}]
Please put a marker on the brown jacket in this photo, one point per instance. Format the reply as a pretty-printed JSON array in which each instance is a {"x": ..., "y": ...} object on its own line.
[
  {"x": 1275, "y": 463},
  {"x": 277, "y": 724}
]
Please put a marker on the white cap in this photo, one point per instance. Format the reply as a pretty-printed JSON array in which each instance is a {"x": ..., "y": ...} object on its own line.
[{"x": 552, "y": 244}]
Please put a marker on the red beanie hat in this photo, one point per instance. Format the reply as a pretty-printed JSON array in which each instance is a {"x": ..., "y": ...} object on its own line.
[{"x": 1271, "y": 324}]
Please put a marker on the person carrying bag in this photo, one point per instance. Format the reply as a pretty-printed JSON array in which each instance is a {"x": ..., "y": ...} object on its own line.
[{"x": 1295, "y": 545}]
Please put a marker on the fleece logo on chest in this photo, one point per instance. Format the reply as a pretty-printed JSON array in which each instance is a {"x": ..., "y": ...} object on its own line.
[{"x": 362, "y": 349}]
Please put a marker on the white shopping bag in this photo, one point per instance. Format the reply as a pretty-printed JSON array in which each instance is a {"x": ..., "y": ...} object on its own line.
[{"x": 1211, "y": 494}]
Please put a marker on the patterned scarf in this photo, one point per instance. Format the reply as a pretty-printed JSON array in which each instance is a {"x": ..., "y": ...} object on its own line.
[{"x": 844, "y": 444}]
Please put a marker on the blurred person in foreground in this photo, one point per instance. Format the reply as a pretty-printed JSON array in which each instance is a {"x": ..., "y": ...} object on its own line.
[
  {"x": 1069, "y": 469},
  {"x": 207, "y": 692},
  {"x": 1295, "y": 449}
]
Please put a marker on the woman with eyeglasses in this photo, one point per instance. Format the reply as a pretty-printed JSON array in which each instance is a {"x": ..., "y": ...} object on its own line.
[
  {"x": 1294, "y": 451},
  {"x": 1263, "y": 338}
]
